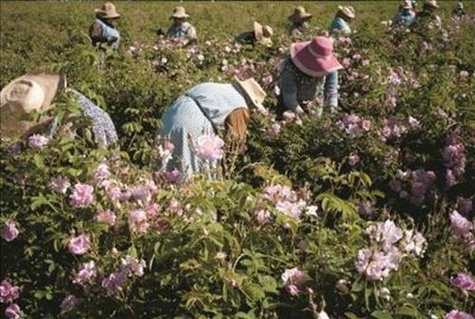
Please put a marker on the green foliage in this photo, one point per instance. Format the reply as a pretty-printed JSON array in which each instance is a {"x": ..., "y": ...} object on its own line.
[{"x": 208, "y": 250}]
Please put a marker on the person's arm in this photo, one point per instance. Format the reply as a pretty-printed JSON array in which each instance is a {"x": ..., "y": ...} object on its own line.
[
  {"x": 331, "y": 90},
  {"x": 236, "y": 128}
]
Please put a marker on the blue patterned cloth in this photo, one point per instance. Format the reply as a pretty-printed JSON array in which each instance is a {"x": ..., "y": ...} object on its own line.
[
  {"x": 339, "y": 27},
  {"x": 102, "y": 125},
  {"x": 203, "y": 109}
]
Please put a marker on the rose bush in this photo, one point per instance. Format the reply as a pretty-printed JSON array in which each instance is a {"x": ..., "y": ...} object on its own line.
[{"x": 363, "y": 213}]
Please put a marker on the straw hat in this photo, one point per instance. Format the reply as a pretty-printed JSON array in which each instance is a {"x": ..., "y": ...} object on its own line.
[
  {"x": 107, "y": 11},
  {"x": 253, "y": 91},
  {"x": 179, "y": 12},
  {"x": 348, "y": 11},
  {"x": 299, "y": 15},
  {"x": 263, "y": 34},
  {"x": 431, "y": 3},
  {"x": 315, "y": 58},
  {"x": 26, "y": 94},
  {"x": 406, "y": 4}
]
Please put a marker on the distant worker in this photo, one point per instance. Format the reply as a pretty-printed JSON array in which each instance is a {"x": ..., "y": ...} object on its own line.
[
  {"x": 341, "y": 23},
  {"x": 180, "y": 28},
  {"x": 102, "y": 30},
  {"x": 300, "y": 22},
  {"x": 259, "y": 35}
]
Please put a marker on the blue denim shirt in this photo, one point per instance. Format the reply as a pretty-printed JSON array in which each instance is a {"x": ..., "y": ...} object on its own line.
[{"x": 297, "y": 87}]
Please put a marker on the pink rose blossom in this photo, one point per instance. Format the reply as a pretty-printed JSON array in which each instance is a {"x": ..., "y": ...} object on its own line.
[
  {"x": 209, "y": 147},
  {"x": 140, "y": 193},
  {"x": 8, "y": 292},
  {"x": 294, "y": 280},
  {"x": 37, "y": 141},
  {"x": 101, "y": 174},
  {"x": 463, "y": 281},
  {"x": 353, "y": 159},
  {"x": 138, "y": 221},
  {"x": 372, "y": 264},
  {"x": 117, "y": 193},
  {"x": 107, "y": 217},
  {"x": 460, "y": 225},
  {"x": 115, "y": 282},
  {"x": 289, "y": 209},
  {"x": 366, "y": 125},
  {"x": 69, "y": 303},
  {"x": 79, "y": 245},
  {"x": 85, "y": 273},
  {"x": 414, "y": 243},
  {"x": 82, "y": 195},
  {"x": 263, "y": 216},
  {"x": 60, "y": 184},
  {"x": 9, "y": 231},
  {"x": 457, "y": 314},
  {"x": 173, "y": 176},
  {"x": 13, "y": 311},
  {"x": 134, "y": 266}
]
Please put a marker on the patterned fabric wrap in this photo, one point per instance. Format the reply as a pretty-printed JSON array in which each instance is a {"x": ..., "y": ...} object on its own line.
[
  {"x": 339, "y": 27},
  {"x": 197, "y": 112},
  {"x": 102, "y": 125},
  {"x": 185, "y": 30},
  {"x": 297, "y": 87},
  {"x": 109, "y": 33}
]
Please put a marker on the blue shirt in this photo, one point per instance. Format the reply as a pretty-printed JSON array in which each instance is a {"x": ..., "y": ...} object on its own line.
[
  {"x": 297, "y": 87},
  {"x": 339, "y": 26}
]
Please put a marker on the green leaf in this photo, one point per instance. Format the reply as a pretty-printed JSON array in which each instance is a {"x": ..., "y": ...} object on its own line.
[
  {"x": 253, "y": 291},
  {"x": 269, "y": 284},
  {"x": 132, "y": 251},
  {"x": 381, "y": 314},
  {"x": 407, "y": 311},
  {"x": 39, "y": 160}
]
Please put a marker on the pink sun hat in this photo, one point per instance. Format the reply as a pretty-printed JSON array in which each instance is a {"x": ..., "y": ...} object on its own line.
[{"x": 315, "y": 58}]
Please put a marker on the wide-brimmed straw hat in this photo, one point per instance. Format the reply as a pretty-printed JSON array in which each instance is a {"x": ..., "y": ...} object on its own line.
[
  {"x": 348, "y": 11},
  {"x": 315, "y": 58},
  {"x": 431, "y": 3},
  {"x": 263, "y": 34},
  {"x": 299, "y": 15},
  {"x": 406, "y": 4},
  {"x": 179, "y": 12},
  {"x": 253, "y": 91},
  {"x": 107, "y": 11},
  {"x": 26, "y": 94}
]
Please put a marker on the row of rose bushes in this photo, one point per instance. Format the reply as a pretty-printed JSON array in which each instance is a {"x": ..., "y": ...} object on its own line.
[{"x": 364, "y": 213}]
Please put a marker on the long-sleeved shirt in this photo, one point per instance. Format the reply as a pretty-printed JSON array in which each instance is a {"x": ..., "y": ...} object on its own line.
[
  {"x": 297, "y": 87},
  {"x": 183, "y": 31},
  {"x": 100, "y": 32}
]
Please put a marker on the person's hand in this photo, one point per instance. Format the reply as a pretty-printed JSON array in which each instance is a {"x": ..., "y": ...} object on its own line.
[{"x": 298, "y": 110}]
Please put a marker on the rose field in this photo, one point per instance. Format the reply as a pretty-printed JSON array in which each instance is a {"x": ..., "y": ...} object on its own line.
[{"x": 368, "y": 212}]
